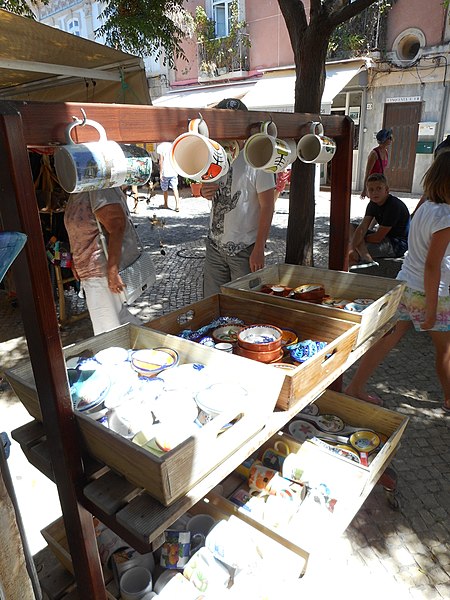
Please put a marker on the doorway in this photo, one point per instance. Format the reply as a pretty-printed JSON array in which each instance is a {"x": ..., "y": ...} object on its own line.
[{"x": 403, "y": 119}]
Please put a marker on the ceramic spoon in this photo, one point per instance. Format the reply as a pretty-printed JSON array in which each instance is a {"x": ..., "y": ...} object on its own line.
[
  {"x": 362, "y": 440},
  {"x": 330, "y": 423}
]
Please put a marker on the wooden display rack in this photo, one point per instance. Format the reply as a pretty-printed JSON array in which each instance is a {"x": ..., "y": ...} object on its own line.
[{"x": 25, "y": 125}]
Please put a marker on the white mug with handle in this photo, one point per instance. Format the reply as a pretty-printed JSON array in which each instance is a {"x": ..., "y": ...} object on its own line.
[
  {"x": 315, "y": 147},
  {"x": 195, "y": 156},
  {"x": 266, "y": 152}
]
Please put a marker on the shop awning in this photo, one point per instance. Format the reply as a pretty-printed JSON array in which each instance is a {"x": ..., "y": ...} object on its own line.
[
  {"x": 38, "y": 62},
  {"x": 204, "y": 97},
  {"x": 275, "y": 90}
]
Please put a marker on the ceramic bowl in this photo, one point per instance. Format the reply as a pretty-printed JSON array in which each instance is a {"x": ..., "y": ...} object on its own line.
[
  {"x": 219, "y": 397},
  {"x": 289, "y": 337},
  {"x": 226, "y": 333},
  {"x": 310, "y": 292},
  {"x": 260, "y": 356},
  {"x": 260, "y": 338},
  {"x": 151, "y": 361},
  {"x": 111, "y": 356}
]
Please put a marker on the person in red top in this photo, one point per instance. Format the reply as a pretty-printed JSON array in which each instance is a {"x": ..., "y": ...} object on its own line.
[{"x": 378, "y": 159}]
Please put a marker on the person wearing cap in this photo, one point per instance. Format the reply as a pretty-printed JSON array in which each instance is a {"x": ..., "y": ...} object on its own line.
[
  {"x": 242, "y": 205},
  {"x": 378, "y": 158}
]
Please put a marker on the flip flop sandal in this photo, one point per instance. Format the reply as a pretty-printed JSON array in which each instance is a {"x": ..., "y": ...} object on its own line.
[
  {"x": 375, "y": 399},
  {"x": 446, "y": 409},
  {"x": 365, "y": 265}
]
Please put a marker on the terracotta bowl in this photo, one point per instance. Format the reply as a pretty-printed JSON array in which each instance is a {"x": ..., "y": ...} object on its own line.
[
  {"x": 260, "y": 338},
  {"x": 261, "y": 356},
  {"x": 310, "y": 292}
]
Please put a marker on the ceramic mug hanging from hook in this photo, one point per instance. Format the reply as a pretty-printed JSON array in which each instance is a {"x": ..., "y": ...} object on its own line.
[
  {"x": 98, "y": 165},
  {"x": 195, "y": 156},
  {"x": 315, "y": 147},
  {"x": 265, "y": 151}
]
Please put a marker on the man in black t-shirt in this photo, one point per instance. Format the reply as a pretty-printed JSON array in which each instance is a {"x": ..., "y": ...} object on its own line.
[{"x": 390, "y": 238}]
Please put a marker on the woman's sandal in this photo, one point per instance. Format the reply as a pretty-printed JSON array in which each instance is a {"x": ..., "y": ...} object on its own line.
[{"x": 446, "y": 409}]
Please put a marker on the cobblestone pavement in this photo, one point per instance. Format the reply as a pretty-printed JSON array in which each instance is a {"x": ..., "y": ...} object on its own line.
[{"x": 401, "y": 554}]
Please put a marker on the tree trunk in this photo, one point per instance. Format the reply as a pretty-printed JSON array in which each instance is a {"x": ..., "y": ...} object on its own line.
[
  {"x": 310, "y": 67},
  {"x": 309, "y": 36}
]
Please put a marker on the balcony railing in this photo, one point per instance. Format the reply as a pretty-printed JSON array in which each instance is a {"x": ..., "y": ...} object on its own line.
[{"x": 219, "y": 56}]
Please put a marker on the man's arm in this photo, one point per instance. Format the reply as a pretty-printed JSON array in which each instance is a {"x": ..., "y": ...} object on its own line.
[
  {"x": 360, "y": 232},
  {"x": 379, "y": 235},
  {"x": 112, "y": 217},
  {"x": 266, "y": 202}
]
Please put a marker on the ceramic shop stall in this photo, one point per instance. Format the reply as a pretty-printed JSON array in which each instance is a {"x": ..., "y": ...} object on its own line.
[{"x": 54, "y": 445}]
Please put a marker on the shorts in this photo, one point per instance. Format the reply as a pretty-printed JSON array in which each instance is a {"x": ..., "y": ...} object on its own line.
[
  {"x": 169, "y": 182},
  {"x": 388, "y": 248},
  {"x": 412, "y": 308}
]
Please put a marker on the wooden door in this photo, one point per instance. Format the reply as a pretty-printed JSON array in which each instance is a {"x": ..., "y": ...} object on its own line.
[{"x": 403, "y": 119}]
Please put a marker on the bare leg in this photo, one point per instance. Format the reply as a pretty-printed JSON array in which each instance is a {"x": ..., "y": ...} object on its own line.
[
  {"x": 372, "y": 358},
  {"x": 176, "y": 195},
  {"x": 441, "y": 341},
  {"x": 166, "y": 199}
]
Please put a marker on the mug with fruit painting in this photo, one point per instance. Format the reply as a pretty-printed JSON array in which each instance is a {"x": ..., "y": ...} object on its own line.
[{"x": 176, "y": 549}]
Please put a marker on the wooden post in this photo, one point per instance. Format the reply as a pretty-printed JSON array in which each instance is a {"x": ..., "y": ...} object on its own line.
[
  {"x": 19, "y": 212},
  {"x": 341, "y": 189}
]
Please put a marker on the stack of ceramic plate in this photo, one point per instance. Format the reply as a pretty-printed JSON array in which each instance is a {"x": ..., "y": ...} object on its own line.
[
  {"x": 260, "y": 342},
  {"x": 151, "y": 361},
  {"x": 88, "y": 389}
]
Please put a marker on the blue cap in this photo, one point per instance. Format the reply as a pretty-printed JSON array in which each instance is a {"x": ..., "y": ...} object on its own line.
[{"x": 383, "y": 135}]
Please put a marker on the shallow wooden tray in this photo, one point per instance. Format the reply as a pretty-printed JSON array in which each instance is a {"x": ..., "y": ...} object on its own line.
[{"x": 338, "y": 284}]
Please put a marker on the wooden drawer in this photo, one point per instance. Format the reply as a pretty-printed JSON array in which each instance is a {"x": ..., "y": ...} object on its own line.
[
  {"x": 350, "y": 483},
  {"x": 274, "y": 548},
  {"x": 311, "y": 377},
  {"x": 169, "y": 477},
  {"x": 386, "y": 293}
]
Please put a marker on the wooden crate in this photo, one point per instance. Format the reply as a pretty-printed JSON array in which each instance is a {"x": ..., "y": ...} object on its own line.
[
  {"x": 56, "y": 538},
  {"x": 313, "y": 375},
  {"x": 176, "y": 472},
  {"x": 279, "y": 551},
  {"x": 386, "y": 293},
  {"x": 355, "y": 481}
]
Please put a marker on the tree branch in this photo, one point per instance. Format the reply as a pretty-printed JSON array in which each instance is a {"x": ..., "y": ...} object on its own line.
[
  {"x": 341, "y": 10},
  {"x": 294, "y": 14}
]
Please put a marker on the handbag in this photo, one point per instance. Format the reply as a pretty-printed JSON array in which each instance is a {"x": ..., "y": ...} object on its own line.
[{"x": 139, "y": 274}]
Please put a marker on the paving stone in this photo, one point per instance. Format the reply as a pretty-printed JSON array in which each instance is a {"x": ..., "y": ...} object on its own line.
[{"x": 423, "y": 592}]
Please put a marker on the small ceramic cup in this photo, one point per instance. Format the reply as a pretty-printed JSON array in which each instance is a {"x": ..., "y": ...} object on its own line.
[
  {"x": 266, "y": 152},
  {"x": 315, "y": 147},
  {"x": 136, "y": 584},
  {"x": 224, "y": 346},
  {"x": 195, "y": 156}
]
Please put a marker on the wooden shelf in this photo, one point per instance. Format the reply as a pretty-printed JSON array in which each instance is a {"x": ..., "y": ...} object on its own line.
[{"x": 33, "y": 124}]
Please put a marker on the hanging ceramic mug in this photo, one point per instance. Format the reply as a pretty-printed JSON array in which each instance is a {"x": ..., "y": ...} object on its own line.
[
  {"x": 99, "y": 165},
  {"x": 266, "y": 152},
  {"x": 315, "y": 147},
  {"x": 195, "y": 156}
]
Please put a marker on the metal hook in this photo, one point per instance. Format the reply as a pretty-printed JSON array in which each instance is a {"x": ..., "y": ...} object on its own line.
[{"x": 80, "y": 122}]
